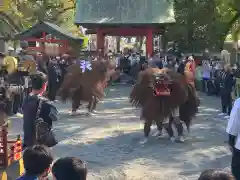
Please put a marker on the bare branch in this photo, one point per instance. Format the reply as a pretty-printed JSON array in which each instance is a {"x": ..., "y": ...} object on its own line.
[
  {"x": 66, "y": 9},
  {"x": 9, "y": 21}
]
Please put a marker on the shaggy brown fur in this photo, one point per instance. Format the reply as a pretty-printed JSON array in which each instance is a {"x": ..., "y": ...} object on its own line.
[
  {"x": 142, "y": 94},
  {"x": 189, "y": 109},
  {"x": 156, "y": 108},
  {"x": 79, "y": 86}
]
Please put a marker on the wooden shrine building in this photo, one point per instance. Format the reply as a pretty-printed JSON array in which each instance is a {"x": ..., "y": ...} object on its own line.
[
  {"x": 125, "y": 18},
  {"x": 39, "y": 33}
]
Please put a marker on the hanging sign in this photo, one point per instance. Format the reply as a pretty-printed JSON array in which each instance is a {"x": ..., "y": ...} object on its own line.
[{"x": 85, "y": 65}]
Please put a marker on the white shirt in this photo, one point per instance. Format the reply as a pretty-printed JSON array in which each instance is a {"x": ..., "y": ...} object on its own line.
[
  {"x": 117, "y": 61},
  {"x": 206, "y": 70},
  {"x": 233, "y": 127},
  {"x": 134, "y": 59},
  {"x": 165, "y": 64},
  {"x": 176, "y": 67}
]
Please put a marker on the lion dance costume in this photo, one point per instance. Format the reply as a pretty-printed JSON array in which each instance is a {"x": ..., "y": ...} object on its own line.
[
  {"x": 164, "y": 96},
  {"x": 86, "y": 86}
]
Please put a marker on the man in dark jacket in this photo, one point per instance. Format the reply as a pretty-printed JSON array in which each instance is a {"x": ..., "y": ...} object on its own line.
[
  {"x": 63, "y": 68},
  {"x": 125, "y": 63},
  {"x": 226, "y": 87},
  {"x": 30, "y": 106},
  {"x": 54, "y": 77},
  {"x": 181, "y": 66}
]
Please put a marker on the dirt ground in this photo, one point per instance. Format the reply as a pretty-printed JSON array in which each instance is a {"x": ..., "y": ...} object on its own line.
[{"x": 109, "y": 142}]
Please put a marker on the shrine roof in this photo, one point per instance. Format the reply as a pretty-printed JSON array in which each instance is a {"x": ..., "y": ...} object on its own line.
[
  {"x": 49, "y": 28},
  {"x": 120, "y": 12}
]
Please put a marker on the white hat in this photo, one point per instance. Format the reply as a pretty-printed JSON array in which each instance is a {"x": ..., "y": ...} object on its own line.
[
  {"x": 110, "y": 54},
  {"x": 10, "y": 48},
  {"x": 18, "y": 50},
  {"x": 190, "y": 58}
]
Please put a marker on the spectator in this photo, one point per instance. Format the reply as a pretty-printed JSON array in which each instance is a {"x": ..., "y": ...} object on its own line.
[
  {"x": 124, "y": 62},
  {"x": 70, "y": 168},
  {"x": 156, "y": 61},
  {"x": 165, "y": 62},
  {"x": 30, "y": 106},
  {"x": 54, "y": 77},
  {"x": 233, "y": 130},
  {"x": 226, "y": 87},
  {"x": 198, "y": 77},
  {"x": 37, "y": 161},
  {"x": 212, "y": 174},
  {"x": 217, "y": 78},
  {"x": 206, "y": 75},
  {"x": 181, "y": 66}
]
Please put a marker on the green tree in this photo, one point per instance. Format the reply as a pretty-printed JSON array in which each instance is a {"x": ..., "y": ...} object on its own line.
[
  {"x": 203, "y": 23},
  {"x": 7, "y": 25},
  {"x": 28, "y": 12},
  {"x": 25, "y": 13}
]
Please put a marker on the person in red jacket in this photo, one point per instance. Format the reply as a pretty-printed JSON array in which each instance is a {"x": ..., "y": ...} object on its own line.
[{"x": 190, "y": 69}]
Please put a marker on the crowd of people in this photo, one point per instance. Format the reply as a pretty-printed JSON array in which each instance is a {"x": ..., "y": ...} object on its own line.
[
  {"x": 211, "y": 77},
  {"x": 39, "y": 164},
  {"x": 218, "y": 79}
]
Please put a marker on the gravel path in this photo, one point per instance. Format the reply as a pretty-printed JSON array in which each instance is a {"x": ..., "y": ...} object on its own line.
[{"x": 109, "y": 142}]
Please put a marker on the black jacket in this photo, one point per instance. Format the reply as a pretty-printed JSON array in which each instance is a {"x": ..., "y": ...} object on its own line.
[
  {"x": 48, "y": 113},
  {"x": 226, "y": 82},
  {"x": 181, "y": 68},
  {"x": 54, "y": 73}
]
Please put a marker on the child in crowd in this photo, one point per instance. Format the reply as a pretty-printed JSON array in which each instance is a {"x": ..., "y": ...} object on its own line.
[
  {"x": 71, "y": 168},
  {"x": 37, "y": 161}
]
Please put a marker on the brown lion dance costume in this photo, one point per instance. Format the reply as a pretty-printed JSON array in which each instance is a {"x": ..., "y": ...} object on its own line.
[
  {"x": 165, "y": 96},
  {"x": 86, "y": 86}
]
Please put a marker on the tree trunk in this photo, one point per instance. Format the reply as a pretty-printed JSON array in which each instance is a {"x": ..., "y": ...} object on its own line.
[
  {"x": 236, "y": 30},
  {"x": 191, "y": 26}
]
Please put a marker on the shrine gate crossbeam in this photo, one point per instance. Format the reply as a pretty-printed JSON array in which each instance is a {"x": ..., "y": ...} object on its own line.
[{"x": 125, "y": 18}]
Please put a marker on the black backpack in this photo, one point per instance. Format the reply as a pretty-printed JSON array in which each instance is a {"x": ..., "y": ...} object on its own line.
[{"x": 44, "y": 133}]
